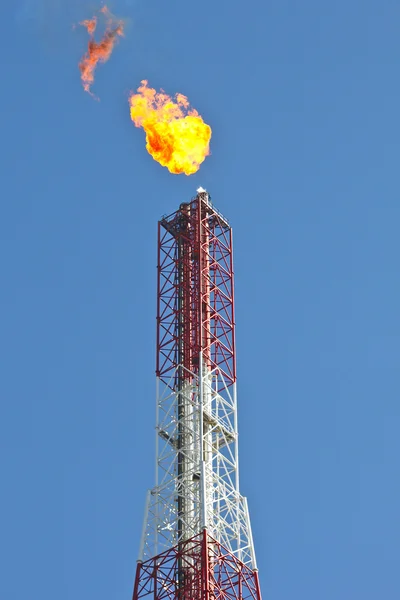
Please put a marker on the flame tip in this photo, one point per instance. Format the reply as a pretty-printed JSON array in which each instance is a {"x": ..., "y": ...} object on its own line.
[{"x": 102, "y": 50}]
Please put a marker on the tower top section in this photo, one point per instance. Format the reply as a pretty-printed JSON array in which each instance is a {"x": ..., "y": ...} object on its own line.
[{"x": 195, "y": 291}]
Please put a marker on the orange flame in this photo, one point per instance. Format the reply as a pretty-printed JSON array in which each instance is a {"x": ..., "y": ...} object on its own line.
[
  {"x": 176, "y": 136},
  {"x": 90, "y": 25},
  {"x": 98, "y": 51}
]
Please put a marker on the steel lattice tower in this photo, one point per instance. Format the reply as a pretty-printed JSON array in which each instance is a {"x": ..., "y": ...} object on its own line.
[{"x": 196, "y": 542}]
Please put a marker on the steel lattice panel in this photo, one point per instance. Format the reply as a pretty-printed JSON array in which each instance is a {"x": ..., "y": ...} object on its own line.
[{"x": 199, "y": 568}]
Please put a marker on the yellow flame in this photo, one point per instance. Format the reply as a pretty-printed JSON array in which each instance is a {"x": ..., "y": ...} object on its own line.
[{"x": 176, "y": 135}]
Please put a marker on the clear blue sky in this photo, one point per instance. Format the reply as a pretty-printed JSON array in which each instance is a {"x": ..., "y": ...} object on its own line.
[{"x": 303, "y": 98}]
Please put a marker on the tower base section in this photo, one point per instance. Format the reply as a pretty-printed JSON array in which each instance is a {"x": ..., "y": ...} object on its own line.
[{"x": 197, "y": 569}]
